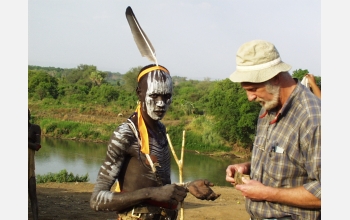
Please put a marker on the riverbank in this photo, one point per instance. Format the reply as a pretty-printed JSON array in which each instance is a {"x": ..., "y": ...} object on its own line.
[
  {"x": 60, "y": 201},
  {"x": 95, "y": 123}
]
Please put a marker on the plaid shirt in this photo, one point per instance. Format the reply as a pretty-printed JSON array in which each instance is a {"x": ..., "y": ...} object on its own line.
[{"x": 287, "y": 153}]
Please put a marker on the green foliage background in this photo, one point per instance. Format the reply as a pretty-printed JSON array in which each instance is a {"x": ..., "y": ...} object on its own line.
[{"x": 84, "y": 103}]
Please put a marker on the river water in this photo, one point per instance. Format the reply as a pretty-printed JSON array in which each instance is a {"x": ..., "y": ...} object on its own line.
[{"x": 83, "y": 158}]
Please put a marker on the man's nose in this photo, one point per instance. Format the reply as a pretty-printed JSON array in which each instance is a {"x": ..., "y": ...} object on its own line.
[
  {"x": 251, "y": 96},
  {"x": 160, "y": 103}
]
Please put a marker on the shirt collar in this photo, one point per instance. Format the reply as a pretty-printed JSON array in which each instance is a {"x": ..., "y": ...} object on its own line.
[{"x": 274, "y": 120}]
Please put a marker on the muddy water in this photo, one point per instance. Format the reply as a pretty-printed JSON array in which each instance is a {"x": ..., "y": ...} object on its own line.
[{"x": 86, "y": 158}]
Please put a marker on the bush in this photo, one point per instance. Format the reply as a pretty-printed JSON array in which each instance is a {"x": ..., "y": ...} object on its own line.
[{"x": 61, "y": 177}]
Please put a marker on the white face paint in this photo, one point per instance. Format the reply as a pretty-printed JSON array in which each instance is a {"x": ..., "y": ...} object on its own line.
[{"x": 158, "y": 95}]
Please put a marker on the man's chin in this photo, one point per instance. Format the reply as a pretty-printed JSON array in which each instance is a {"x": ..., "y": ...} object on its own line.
[
  {"x": 157, "y": 118},
  {"x": 268, "y": 106}
]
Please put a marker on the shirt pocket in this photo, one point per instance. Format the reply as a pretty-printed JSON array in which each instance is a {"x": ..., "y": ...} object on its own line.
[{"x": 275, "y": 169}]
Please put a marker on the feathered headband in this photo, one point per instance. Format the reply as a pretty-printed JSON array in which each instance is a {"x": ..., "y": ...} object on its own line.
[{"x": 147, "y": 50}]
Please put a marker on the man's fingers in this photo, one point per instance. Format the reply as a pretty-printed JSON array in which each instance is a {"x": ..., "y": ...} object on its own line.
[
  {"x": 213, "y": 196},
  {"x": 245, "y": 179},
  {"x": 210, "y": 184},
  {"x": 207, "y": 183}
]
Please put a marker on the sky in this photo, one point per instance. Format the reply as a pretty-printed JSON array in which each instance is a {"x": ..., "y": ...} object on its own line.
[{"x": 193, "y": 39}]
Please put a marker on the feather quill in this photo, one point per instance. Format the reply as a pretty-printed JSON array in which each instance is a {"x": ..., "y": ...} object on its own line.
[{"x": 143, "y": 43}]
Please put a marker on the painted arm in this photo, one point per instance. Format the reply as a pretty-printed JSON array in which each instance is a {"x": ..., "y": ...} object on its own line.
[{"x": 103, "y": 199}]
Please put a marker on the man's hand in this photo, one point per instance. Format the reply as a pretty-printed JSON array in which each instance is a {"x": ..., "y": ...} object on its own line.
[
  {"x": 253, "y": 189},
  {"x": 38, "y": 146},
  {"x": 169, "y": 193},
  {"x": 201, "y": 190},
  {"x": 231, "y": 172}
]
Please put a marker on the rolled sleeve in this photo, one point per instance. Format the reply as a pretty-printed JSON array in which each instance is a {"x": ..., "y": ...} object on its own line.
[
  {"x": 314, "y": 162},
  {"x": 314, "y": 188}
]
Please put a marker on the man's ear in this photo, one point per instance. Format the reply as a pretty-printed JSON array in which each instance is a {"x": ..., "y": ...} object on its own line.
[
  {"x": 275, "y": 80},
  {"x": 138, "y": 92}
]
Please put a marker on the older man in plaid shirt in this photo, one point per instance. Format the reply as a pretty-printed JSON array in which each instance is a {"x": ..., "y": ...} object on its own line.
[{"x": 285, "y": 169}]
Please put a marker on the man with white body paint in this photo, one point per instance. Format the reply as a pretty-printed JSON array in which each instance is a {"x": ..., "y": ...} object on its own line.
[{"x": 138, "y": 157}]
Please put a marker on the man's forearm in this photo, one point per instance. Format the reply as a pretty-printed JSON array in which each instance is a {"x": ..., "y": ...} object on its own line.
[
  {"x": 316, "y": 90},
  {"x": 298, "y": 197}
]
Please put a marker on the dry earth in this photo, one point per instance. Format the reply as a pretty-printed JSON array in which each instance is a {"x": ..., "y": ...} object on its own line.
[{"x": 60, "y": 201}]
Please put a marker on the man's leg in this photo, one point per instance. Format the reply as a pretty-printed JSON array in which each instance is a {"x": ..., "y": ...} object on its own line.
[{"x": 32, "y": 197}]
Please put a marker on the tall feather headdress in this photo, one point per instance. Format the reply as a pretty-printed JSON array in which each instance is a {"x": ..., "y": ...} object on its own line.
[
  {"x": 147, "y": 50},
  {"x": 143, "y": 43}
]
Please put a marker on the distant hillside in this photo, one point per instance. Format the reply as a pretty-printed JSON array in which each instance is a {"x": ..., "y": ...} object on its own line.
[{"x": 112, "y": 77}]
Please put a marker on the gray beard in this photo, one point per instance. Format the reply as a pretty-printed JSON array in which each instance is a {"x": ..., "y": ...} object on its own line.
[{"x": 275, "y": 90}]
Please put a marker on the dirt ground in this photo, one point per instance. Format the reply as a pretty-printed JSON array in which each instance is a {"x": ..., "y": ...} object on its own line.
[{"x": 71, "y": 201}]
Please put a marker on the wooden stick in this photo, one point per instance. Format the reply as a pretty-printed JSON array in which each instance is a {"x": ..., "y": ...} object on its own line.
[
  {"x": 180, "y": 165},
  {"x": 182, "y": 157}
]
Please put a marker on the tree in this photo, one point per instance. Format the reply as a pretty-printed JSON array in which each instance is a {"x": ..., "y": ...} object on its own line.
[
  {"x": 235, "y": 116},
  {"x": 81, "y": 75},
  {"x": 187, "y": 107},
  {"x": 114, "y": 78},
  {"x": 130, "y": 79},
  {"x": 42, "y": 85},
  {"x": 191, "y": 95},
  {"x": 299, "y": 73},
  {"x": 104, "y": 94},
  {"x": 97, "y": 77}
]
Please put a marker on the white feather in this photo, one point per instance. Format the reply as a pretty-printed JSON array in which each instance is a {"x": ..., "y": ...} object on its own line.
[{"x": 143, "y": 43}]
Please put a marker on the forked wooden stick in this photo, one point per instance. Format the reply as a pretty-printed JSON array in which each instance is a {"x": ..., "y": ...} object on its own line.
[{"x": 180, "y": 164}]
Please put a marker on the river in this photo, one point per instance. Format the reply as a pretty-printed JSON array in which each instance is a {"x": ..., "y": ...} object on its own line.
[{"x": 81, "y": 158}]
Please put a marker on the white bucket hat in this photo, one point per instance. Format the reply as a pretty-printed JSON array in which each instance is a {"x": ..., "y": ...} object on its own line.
[{"x": 257, "y": 61}]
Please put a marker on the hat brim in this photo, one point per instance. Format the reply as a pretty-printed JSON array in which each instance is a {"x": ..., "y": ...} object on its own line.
[{"x": 258, "y": 76}]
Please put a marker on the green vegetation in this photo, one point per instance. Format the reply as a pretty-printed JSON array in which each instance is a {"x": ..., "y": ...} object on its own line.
[
  {"x": 299, "y": 74},
  {"x": 84, "y": 103},
  {"x": 61, "y": 177},
  {"x": 75, "y": 130}
]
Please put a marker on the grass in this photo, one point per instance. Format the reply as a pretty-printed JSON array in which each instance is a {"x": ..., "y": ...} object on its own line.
[{"x": 76, "y": 130}]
